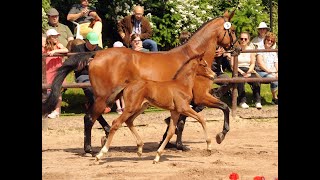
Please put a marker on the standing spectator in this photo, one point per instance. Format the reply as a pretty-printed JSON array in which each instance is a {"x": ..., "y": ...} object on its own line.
[
  {"x": 137, "y": 24},
  {"x": 53, "y": 23},
  {"x": 51, "y": 47},
  {"x": 246, "y": 64},
  {"x": 82, "y": 75},
  {"x": 267, "y": 64},
  {"x": 88, "y": 19},
  {"x": 119, "y": 101},
  {"x": 136, "y": 43},
  {"x": 262, "y": 31}
]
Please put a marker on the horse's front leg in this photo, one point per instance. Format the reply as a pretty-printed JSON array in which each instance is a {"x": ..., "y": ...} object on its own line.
[
  {"x": 173, "y": 122},
  {"x": 213, "y": 102}
]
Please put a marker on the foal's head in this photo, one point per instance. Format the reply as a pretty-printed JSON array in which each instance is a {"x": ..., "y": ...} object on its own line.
[{"x": 204, "y": 70}]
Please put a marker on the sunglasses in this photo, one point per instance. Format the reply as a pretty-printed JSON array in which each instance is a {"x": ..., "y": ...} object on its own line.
[
  {"x": 270, "y": 40},
  {"x": 243, "y": 39}
]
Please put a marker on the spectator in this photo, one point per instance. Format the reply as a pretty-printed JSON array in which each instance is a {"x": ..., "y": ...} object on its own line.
[
  {"x": 87, "y": 18},
  {"x": 137, "y": 24},
  {"x": 184, "y": 36},
  {"x": 267, "y": 64},
  {"x": 51, "y": 47},
  {"x": 119, "y": 101},
  {"x": 82, "y": 76},
  {"x": 136, "y": 43},
  {"x": 258, "y": 41},
  {"x": 246, "y": 64},
  {"x": 218, "y": 69},
  {"x": 53, "y": 23}
]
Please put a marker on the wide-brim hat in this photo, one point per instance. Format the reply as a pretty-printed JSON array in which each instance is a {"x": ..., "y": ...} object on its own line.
[
  {"x": 263, "y": 25},
  {"x": 52, "y": 12}
]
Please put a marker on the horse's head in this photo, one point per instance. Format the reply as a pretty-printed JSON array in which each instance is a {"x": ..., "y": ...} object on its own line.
[
  {"x": 204, "y": 69},
  {"x": 226, "y": 36}
]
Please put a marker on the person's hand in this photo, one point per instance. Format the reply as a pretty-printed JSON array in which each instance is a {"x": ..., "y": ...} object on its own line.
[
  {"x": 219, "y": 51},
  {"x": 246, "y": 75},
  {"x": 84, "y": 11},
  {"x": 50, "y": 53},
  {"x": 122, "y": 35}
]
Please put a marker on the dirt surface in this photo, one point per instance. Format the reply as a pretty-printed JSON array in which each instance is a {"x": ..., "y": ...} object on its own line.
[{"x": 250, "y": 148}]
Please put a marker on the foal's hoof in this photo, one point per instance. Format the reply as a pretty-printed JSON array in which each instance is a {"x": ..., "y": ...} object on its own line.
[
  {"x": 103, "y": 140},
  {"x": 220, "y": 137}
]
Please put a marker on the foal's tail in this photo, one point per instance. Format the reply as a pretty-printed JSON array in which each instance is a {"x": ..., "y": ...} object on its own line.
[
  {"x": 77, "y": 61},
  {"x": 114, "y": 95}
]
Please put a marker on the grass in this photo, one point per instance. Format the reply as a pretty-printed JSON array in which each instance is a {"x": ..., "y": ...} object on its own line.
[{"x": 74, "y": 98}]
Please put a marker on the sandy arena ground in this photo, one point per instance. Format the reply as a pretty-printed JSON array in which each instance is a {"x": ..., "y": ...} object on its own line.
[{"x": 250, "y": 148}]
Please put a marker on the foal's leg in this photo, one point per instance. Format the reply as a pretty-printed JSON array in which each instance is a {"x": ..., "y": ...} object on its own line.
[
  {"x": 172, "y": 125},
  {"x": 133, "y": 130},
  {"x": 116, "y": 124},
  {"x": 191, "y": 113}
]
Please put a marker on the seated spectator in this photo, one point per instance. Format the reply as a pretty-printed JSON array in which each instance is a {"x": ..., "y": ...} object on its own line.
[
  {"x": 82, "y": 75},
  {"x": 136, "y": 43},
  {"x": 267, "y": 64},
  {"x": 51, "y": 47},
  {"x": 53, "y": 23},
  {"x": 262, "y": 31},
  {"x": 87, "y": 18},
  {"x": 246, "y": 64},
  {"x": 137, "y": 24},
  {"x": 119, "y": 101}
]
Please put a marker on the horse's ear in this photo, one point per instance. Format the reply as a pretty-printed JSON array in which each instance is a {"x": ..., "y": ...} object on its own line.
[
  {"x": 231, "y": 14},
  {"x": 226, "y": 13}
]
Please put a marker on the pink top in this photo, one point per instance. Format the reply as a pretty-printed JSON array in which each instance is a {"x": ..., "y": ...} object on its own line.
[{"x": 52, "y": 64}]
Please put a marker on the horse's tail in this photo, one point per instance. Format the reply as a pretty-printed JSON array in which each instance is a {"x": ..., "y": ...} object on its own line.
[
  {"x": 77, "y": 61},
  {"x": 114, "y": 95}
]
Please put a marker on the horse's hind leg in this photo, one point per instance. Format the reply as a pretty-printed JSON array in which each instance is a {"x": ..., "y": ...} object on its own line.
[
  {"x": 133, "y": 130},
  {"x": 172, "y": 125}
]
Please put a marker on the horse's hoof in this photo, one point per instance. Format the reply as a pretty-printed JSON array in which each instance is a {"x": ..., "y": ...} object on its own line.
[
  {"x": 87, "y": 155},
  {"x": 139, "y": 154},
  {"x": 182, "y": 147},
  {"x": 88, "y": 149},
  {"x": 220, "y": 138},
  {"x": 168, "y": 145},
  {"x": 155, "y": 162},
  {"x": 103, "y": 140}
]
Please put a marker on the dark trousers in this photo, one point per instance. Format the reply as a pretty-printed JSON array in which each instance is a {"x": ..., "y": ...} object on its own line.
[{"x": 255, "y": 86}]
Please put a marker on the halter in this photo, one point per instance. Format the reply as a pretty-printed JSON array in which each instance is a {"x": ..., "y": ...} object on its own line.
[{"x": 227, "y": 26}]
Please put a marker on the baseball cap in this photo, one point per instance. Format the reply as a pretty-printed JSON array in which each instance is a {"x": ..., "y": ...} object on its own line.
[
  {"x": 117, "y": 44},
  {"x": 93, "y": 37},
  {"x": 52, "y": 32},
  {"x": 52, "y": 12}
]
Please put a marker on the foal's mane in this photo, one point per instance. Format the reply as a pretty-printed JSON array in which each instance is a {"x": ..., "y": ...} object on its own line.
[{"x": 184, "y": 64}]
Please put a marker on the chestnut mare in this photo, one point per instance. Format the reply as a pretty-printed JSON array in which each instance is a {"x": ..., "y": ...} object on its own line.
[
  {"x": 112, "y": 69},
  {"x": 174, "y": 95}
]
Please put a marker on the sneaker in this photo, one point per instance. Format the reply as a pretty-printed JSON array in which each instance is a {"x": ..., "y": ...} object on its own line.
[
  {"x": 54, "y": 114},
  {"x": 258, "y": 105},
  {"x": 244, "y": 105},
  {"x": 274, "y": 101},
  {"x": 119, "y": 111},
  {"x": 107, "y": 110}
]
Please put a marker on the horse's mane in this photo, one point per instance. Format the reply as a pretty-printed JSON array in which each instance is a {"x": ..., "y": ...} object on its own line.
[{"x": 204, "y": 24}]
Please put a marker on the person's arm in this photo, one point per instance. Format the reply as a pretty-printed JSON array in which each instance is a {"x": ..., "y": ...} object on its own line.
[
  {"x": 231, "y": 64},
  {"x": 252, "y": 63},
  {"x": 73, "y": 14},
  {"x": 261, "y": 64},
  {"x": 147, "y": 33},
  {"x": 121, "y": 28},
  {"x": 61, "y": 49},
  {"x": 95, "y": 15},
  {"x": 69, "y": 34}
]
